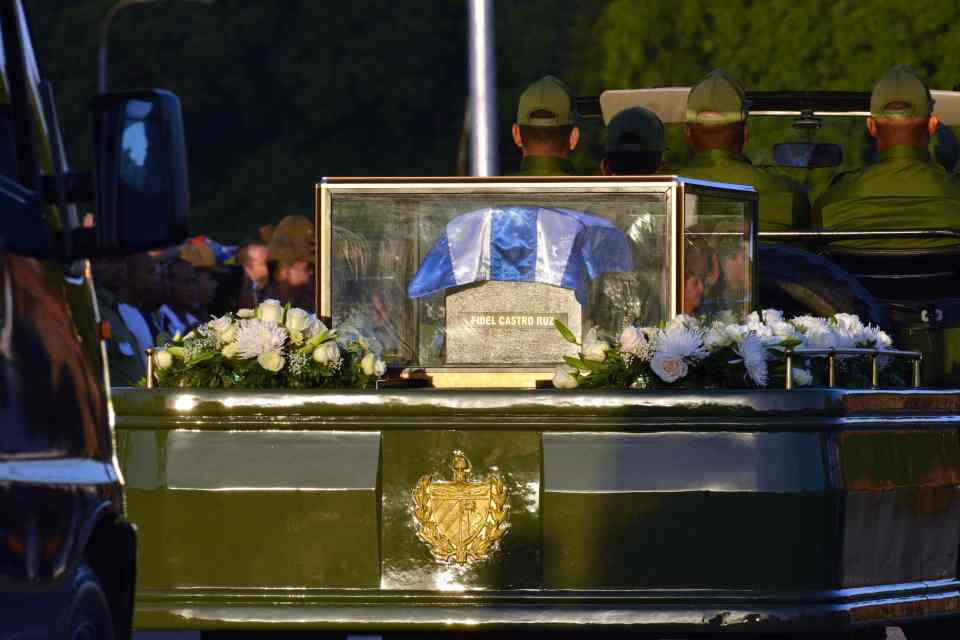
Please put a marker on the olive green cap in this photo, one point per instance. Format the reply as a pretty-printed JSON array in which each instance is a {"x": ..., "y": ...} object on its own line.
[
  {"x": 636, "y": 129},
  {"x": 551, "y": 95},
  {"x": 901, "y": 85},
  {"x": 717, "y": 99}
]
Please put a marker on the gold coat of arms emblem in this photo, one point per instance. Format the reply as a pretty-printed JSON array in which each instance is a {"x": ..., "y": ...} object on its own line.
[{"x": 459, "y": 519}]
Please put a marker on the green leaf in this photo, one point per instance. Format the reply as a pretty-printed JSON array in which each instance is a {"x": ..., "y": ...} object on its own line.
[
  {"x": 565, "y": 332},
  {"x": 576, "y": 363}
]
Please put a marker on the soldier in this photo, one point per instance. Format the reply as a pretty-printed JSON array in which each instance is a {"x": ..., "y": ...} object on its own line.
[
  {"x": 716, "y": 128},
  {"x": 291, "y": 256},
  {"x": 546, "y": 128},
  {"x": 635, "y": 143},
  {"x": 126, "y": 366},
  {"x": 905, "y": 188}
]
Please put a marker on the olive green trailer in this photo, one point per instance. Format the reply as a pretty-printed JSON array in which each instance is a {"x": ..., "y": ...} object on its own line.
[{"x": 765, "y": 511}]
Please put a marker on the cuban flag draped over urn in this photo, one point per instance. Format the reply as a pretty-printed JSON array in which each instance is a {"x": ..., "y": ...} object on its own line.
[{"x": 523, "y": 243}]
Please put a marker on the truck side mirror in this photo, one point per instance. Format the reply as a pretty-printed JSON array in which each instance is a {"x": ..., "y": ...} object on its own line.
[{"x": 142, "y": 196}]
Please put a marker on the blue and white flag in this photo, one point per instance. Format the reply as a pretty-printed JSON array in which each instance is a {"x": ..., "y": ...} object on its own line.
[{"x": 561, "y": 247}]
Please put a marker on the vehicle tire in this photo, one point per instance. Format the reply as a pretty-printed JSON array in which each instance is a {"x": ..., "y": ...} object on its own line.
[
  {"x": 799, "y": 282},
  {"x": 89, "y": 617}
]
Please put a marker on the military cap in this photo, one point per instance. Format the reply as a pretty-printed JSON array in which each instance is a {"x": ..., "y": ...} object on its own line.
[
  {"x": 900, "y": 92},
  {"x": 292, "y": 239},
  {"x": 551, "y": 95},
  {"x": 199, "y": 254},
  {"x": 636, "y": 129},
  {"x": 717, "y": 99}
]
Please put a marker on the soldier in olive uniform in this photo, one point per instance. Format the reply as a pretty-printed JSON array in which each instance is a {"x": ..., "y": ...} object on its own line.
[
  {"x": 905, "y": 188},
  {"x": 126, "y": 365},
  {"x": 635, "y": 143},
  {"x": 546, "y": 128},
  {"x": 716, "y": 129}
]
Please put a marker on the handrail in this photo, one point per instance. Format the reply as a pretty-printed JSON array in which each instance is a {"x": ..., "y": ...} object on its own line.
[
  {"x": 832, "y": 354},
  {"x": 858, "y": 235}
]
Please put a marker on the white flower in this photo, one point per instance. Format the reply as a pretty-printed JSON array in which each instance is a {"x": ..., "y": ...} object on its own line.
[
  {"x": 772, "y": 316},
  {"x": 368, "y": 363},
  {"x": 881, "y": 339},
  {"x": 563, "y": 377},
  {"x": 327, "y": 352},
  {"x": 297, "y": 320},
  {"x": 271, "y": 360},
  {"x": 177, "y": 337},
  {"x": 379, "y": 367},
  {"x": 669, "y": 368},
  {"x": 848, "y": 321},
  {"x": 753, "y": 319},
  {"x": 717, "y": 337},
  {"x": 162, "y": 358},
  {"x": 754, "y": 354},
  {"x": 246, "y": 313},
  {"x": 783, "y": 330},
  {"x": 802, "y": 377},
  {"x": 270, "y": 311},
  {"x": 681, "y": 342},
  {"x": 255, "y": 337},
  {"x": 229, "y": 350},
  {"x": 314, "y": 327},
  {"x": 594, "y": 348},
  {"x": 632, "y": 340},
  {"x": 685, "y": 321},
  {"x": 816, "y": 338},
  {"x": 810, "y": 323}
]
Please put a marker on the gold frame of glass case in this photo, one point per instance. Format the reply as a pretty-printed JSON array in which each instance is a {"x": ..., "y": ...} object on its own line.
[{"x": 677, "y": 190}]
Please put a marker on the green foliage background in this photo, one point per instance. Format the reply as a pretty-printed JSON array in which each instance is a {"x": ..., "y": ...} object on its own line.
[{"x": 279, "y": 93}]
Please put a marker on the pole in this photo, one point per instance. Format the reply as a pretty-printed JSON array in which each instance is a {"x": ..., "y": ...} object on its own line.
[
  {"x": 105, "y": 29},
  {"x": 483, "y": 90}
]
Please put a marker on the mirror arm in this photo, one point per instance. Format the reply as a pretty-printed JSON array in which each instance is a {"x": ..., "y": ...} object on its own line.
[{"x": 78, "y": 186}]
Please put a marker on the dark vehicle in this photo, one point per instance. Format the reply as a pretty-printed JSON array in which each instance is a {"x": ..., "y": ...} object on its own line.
[{"x": 67, "y": 551}]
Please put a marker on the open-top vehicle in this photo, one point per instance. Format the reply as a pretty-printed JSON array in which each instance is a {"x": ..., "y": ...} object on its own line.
[{"x": 465, "y": 494}]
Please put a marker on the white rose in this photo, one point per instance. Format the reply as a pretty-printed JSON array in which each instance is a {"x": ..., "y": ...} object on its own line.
[
  {"x": 716, "y": 338},
  {"x": 772, "y": 316},
  {"x": 848, "y": 321},
  {"x": 297, "y": 320},
  {"x": 271, "y": 360},
  {"x": 563, "y": 377},
  {"x": 594, "y": 348},
  {"x": 669, "y": 368},
  {"x": 246, "y": 313},
  {"x": 229, "y": 350},
  {"x": 315, "y": 326},
  {"x": 228, "y": 334},
  {"x": 327, "y": 352},
  {"x": 802, "y": 377},
  {"x": 631, "y": 338},
  {"x": 270, "y": 311},
  {"x": 380, "y": 367},
  {"x": 368, "y": 364},
  {"x": 784, "y": 330},
  {"x": 683, "y": 320},
  {"x": 162, "y": 358}
]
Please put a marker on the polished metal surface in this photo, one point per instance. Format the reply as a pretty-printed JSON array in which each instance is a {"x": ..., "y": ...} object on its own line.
[{"x": 482, "y": 69}]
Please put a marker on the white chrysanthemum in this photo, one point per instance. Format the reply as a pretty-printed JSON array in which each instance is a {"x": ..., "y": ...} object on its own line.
[
  {"x": 717, "y": 337},
  {"x": 681, "y": 342},
  {"x": 255, "y": 337},
  {"x": 878, "y": 338},
  {"x": 754, "y": 354},
  {"x": 819, "y": 338},
  {"x": 810, "y": 323},
  {"x": 783, "y": 330}
]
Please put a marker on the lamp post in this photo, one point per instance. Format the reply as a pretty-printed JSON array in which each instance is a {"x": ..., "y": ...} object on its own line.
[
  {"x": 105, "y": 28},
  {"x": 483, "y": 89}
]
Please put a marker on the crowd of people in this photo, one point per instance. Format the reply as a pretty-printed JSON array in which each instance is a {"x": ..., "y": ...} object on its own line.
[{"x": 148, "y": 298}]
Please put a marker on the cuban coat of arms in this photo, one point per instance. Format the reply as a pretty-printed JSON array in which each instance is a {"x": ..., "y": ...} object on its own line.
[{"x": 460, "y": 520}]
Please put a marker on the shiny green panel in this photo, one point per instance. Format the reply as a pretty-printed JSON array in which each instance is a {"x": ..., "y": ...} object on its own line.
[
  {"x": 872, "y": 460},
  {"x": 255, "y": 539},
  {"x": 703, "y": 539},
  {"x": 408, "y": 455}
]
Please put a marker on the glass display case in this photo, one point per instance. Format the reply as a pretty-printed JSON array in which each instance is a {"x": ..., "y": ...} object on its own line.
[{"x": 470, "y": 273}]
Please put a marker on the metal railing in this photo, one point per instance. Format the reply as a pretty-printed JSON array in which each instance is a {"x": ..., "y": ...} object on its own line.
[{"x": 873, "y": 354}]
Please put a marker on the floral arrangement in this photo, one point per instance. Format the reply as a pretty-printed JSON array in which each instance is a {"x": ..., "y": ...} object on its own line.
[
  {"x": 272, "y": 346},
  {"x": 717, "y": 353}
]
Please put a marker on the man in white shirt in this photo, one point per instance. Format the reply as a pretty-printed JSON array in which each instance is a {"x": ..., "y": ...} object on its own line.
[{"x": 140, "y": 294}]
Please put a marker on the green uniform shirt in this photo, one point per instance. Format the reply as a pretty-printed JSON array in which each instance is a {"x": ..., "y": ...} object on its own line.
[
  {"x": 904, "y": 189},
  {"x": 544, "y": 166},
  {"x": 783, "y": 204},
  {"x": 126, "y": 368}
]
